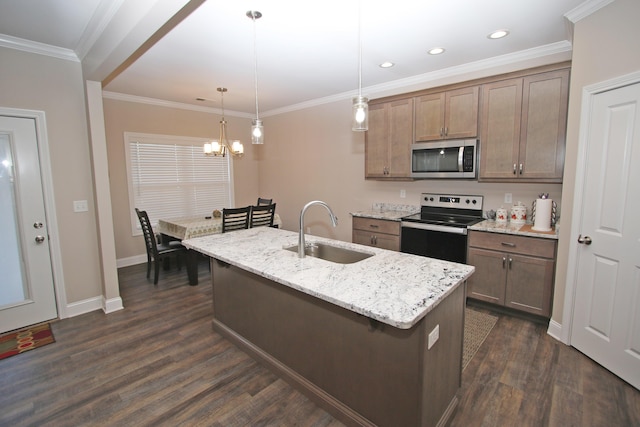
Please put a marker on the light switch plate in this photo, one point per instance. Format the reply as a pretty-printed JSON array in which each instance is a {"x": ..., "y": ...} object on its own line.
[
  {"x": 403, "y": 194},
  {"x": 433, "y": 337},
  {"x": 80, "y": 206}
]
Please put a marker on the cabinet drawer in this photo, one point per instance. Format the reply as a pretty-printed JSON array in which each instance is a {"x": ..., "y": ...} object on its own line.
[
  {"x": 534, "y": 246},
  {"x": 376, "y": 225},
  {"x": 378, "y": 240}
]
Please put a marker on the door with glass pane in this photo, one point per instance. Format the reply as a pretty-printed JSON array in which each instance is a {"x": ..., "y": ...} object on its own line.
[{"x": 26, "y": 289}]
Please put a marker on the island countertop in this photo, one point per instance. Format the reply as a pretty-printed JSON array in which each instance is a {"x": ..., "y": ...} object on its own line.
[{"x": 391, "y": 287}]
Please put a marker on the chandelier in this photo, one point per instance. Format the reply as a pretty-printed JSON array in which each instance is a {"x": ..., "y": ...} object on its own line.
[{"x": 220, "y": 147}]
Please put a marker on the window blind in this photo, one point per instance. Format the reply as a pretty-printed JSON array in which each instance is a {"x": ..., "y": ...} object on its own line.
[{"x": 171, "y": 177}]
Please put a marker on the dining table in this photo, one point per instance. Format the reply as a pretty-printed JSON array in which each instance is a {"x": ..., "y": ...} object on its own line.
[{"x": 191, "y": 227}]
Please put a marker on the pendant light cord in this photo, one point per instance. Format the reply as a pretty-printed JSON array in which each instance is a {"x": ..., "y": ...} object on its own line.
[
  {"x": 255, "y": 61},
  {"x": 360, "y": 48}
]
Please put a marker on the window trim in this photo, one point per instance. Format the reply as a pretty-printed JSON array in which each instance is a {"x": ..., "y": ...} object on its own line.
[{"x": 129, "y": 137}]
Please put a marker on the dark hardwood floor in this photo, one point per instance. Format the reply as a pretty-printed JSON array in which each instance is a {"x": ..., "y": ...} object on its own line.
[{"x": 158, "y": 362}]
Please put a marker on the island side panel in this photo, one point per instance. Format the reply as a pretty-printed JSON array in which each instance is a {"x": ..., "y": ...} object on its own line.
[{"x": 374, "y": 369}]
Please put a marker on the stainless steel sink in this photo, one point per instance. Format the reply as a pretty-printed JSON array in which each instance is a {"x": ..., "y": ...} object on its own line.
[{"x": 332, "y": 253}]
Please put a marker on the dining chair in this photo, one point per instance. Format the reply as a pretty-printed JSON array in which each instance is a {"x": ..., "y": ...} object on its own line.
[
  {"x": 262, "y": 201},
  {"x": 262, "y": 215},
  {"x": 157, "y": 252},
  {"x": 235, "y": 218}
]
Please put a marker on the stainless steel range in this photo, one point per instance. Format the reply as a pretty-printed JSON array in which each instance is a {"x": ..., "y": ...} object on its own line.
[{"x": 440, "y": 229}]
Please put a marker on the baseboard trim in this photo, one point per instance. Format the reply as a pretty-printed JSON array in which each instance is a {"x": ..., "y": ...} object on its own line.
[
  {"x": 85, "y": 306},
  {"x": 555, "y": 330},
  {"x": 132, "y": 260},
  {"x": 111, "y": 305}
]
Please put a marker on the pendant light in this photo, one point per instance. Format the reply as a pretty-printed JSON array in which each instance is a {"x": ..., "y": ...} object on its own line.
[
  {"x": 219, "y": 147},
  {"x": 257, "y": 130},
  {"x": 360, "y": 109}
]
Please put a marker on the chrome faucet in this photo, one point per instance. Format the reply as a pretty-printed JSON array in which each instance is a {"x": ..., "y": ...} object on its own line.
[{"x": 334, "y": 221}]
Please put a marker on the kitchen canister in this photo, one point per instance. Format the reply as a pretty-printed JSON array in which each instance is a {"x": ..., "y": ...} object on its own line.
[
  {"x": 501, "y": 215},
  {"x": 518, "y": 213},
  {"x": 542, "y": 219}
]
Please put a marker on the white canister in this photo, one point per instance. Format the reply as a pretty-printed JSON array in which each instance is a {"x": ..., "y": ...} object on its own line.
[
  {"x": 501, "y": 215},
  {"x": 518, "y": 213}
]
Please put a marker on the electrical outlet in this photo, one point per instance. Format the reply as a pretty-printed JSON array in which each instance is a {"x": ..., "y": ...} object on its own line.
[
  {"x": 433, "y": 337},
  {"x": 403, "y": 194},
  {"x": 308, "y": 230},
  {"x": 508, "y": 198}
]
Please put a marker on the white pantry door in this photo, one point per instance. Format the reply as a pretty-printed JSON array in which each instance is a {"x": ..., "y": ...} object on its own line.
[
  {"x": 27, "y": 293},
  {"x": 606, "y": 316}
]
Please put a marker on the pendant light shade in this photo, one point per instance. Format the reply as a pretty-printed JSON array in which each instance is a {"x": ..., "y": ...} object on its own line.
[
  {"x": 257, "y": 130},
  {"x": 219, "y": 147},
  {"x": 360, "y": 109}
]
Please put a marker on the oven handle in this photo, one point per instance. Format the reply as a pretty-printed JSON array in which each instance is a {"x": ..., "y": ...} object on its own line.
[{"x": 434, "y": 227}]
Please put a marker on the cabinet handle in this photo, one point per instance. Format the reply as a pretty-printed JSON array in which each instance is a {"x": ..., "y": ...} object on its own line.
[
  {"x": 514, "y": 168},
  {"x": 446, "y": 131},
  {"x": 441, "y": 131},
  {"x": 371, "y": 239},
  {"x": 375, "y": 240},
  {"x": 373, "y": 226},
  {"x": 510, "y": 261},
  {"x": 504, "y": 260},
  {"x": 511, "y": 245},
  {"x": 520, "y": 168}
]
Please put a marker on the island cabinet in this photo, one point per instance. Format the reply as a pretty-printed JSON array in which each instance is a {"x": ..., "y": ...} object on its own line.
[
  {"x": 523, "y": 124},
  {"x": 380, "y": 233},
  {"x": 388, "y": 140},
  {"x": 447, "y": 115},
  {"x": 512, "y": 271}
]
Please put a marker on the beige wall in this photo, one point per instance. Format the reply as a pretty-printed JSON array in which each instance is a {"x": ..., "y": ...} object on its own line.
[
  {"x": 122, "y": 116},
  {"x": 55, "y": 86},
  {"x": 605, "y": 46}
]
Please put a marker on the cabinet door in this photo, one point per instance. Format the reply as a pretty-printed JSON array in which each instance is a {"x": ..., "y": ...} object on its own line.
[
  {"x": 377, "y": 142},
  {"x": 529, "y": 284},
  {"x": 378, "y": 240},
  {"x": 429, "y": 121},
  {"x": 500, "y": 129},
  {"x": 461, "y": 113},
  {"x": 544, "y": 125},
  {"x": 487, "y": 283},
  {"x": 400, "y": 138}
]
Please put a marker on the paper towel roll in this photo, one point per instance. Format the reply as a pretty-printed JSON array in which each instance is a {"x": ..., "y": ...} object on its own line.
[{"x": 542, "y": 222}]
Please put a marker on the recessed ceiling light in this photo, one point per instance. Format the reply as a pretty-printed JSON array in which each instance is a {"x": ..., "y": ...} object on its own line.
[
  {"x": 387, "y": 64},
  {"x": 498, "y": 34},
  {"x": 436, "y": 51}
]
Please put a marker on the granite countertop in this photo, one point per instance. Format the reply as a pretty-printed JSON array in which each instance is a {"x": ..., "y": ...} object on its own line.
[
  {"x": 392, "y": 287},
  {"x": 516, "y": 229},
  {"x": 387, "y": 211}
]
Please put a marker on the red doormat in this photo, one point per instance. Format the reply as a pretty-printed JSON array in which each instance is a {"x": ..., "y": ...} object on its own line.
[{"x": 17, "y": 342}]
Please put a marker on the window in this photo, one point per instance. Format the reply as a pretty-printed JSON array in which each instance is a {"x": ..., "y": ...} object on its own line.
[{"x": 169, "y": 176}]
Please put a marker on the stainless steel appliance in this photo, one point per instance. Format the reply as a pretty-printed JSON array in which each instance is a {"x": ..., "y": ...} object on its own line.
[
  {"x": 440, "y": 229},
  {"x": 456, "y": 158}
]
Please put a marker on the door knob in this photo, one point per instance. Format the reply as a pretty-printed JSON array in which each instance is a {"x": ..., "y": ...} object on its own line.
[
  {"x": 586, "y": 240},
  {"x": 39, "y": 239}
]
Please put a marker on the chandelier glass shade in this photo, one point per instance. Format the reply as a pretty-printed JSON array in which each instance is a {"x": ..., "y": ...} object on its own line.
[{"x": 222, "y": 145}]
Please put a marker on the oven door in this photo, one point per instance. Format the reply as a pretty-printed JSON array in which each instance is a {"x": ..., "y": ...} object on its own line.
[{"x": 434, "y": 241}]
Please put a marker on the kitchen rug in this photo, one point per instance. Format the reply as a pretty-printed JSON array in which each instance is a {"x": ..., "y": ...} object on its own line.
[
  {"x": 25, "y": 339},
  {"x": 477, "y": 326}
]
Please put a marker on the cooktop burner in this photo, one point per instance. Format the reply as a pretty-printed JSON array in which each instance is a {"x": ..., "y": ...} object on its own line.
[{"x": 449, "y": 210}]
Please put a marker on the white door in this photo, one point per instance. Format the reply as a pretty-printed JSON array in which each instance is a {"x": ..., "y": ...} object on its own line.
[
  {"x": 26, "y": 288},
  {"x": 606, "y": 316}
]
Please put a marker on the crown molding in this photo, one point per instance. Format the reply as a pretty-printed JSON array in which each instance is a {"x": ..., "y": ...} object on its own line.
[
  {"x": 37, "y": 48},
  {"x": 585, "y": 9},
  {"x": 117, "y": 96},
  {"x": 97, "y": 24},
  {"x": 562, "y": 47}
]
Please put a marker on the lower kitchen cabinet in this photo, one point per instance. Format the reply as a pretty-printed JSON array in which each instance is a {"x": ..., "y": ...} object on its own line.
[
  {"x": 380, "y": 233},
  {"x": 512, "y": 271}
]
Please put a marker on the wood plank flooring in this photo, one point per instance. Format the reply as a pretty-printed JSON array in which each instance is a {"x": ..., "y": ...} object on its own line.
[{"x": 158, "y": 362}]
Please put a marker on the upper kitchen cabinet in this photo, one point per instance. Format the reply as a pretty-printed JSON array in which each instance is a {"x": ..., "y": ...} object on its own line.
[
  {"x": 388, "y": 140},
  {"x": 447, "y": 115},
  {"x": 523, "y": 125}
]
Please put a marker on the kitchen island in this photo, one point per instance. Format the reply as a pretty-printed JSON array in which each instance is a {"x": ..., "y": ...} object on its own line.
[{"x": 376, "y": 342}]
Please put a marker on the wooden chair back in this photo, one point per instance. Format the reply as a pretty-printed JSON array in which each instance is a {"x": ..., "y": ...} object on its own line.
[
  {"x": 262, "y": 216},
  {"x": 262, "y": 201},
  {"x": 235, "y": 218}
]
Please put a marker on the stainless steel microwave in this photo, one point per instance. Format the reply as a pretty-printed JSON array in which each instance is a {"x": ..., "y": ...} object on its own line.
[{"x": 454, "y": 158}]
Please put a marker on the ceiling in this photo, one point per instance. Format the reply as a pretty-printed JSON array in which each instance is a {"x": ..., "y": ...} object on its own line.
[{"x": 306, "y": 51}]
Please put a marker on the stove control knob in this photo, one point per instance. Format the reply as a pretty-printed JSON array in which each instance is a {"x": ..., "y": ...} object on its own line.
[
  {"x": 431, "y": 199},
  {"x": 474, "y": 201},
  {"x": 467, "y": 201}
]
